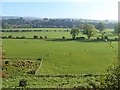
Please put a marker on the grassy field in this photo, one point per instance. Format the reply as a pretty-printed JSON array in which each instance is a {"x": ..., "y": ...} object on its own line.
[
  {"x": 64, "y": 57},
  {"x": 60, "y": 57}
]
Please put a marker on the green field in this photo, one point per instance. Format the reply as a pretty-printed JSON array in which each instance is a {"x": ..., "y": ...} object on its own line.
[{"x": 60, "y": 57}]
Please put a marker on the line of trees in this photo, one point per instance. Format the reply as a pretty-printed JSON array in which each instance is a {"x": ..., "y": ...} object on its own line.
[{"x": 23, "y": 37}]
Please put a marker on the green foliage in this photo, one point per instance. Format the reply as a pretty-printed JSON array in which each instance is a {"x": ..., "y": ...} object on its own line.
[
  {"x": 89, "y": 30},
  {"x": 82, "y": 26},
  {"x": 74, "y": 32},
  {"x": 10, "y": 36},
  {"x": 112, "y": 80},
  {"x": 100, "y": 26},
  {"x": 35, "y": 37},
  {"x": 22, "y": 37}
]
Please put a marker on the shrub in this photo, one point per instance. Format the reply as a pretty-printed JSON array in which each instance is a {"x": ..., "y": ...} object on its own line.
[
  {"x": 22, "y": 37},
  {"x": 116, "y": 38},
  {"x": 4, "y": 37},
  {"x": 23, "y": 82},
  {"x": 35, "y": 37},
  {"x": 63, "y": 38},
  {"x": 6, "y": 62},
  {"x": 98, "y": 38},
  {"x": 17, "y": 37},
  {"x": 106, "y": 37},
  {"x": 82, "y": 38},
  {"x": 10, "y": 36},
  {"x": 31, "y": 72},
  {"x": 45, "y": 37},
  {"x": 39, "y": 58},
  {"x": 41, "y": 37},
  {"x": 77, "y": 38},
  {"x": 113, "y": 78}
]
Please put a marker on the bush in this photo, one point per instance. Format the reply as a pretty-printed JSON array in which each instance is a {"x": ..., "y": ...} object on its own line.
[
  {"x": 6, "y": 62},
  {"x": 31, "y": 72},
  {"x": 98, "y": 38},
  {"x": 45, "y": 37},
  {"x": 10, "y": 36},
  {"x": 17, "y": 37},
  {"x": 4, "y": 37},
  {"x": 116, "y": 38},
  {"x": 106, "y": 37},
  {"x": 39, "y": 58},
  {"x": 22, "y": 37},
  {"x": 41, "y": 37},
  {"x": 113, "y": 78},
  {"x": 63, "y": 38},
  {"x": 35, "y": 37},
  {"x": 81, "y": 38},
  {"x": 23, "y": 82}
]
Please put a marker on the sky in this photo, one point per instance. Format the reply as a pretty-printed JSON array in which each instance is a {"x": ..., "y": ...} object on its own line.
[{"x": 85, "y": 9}]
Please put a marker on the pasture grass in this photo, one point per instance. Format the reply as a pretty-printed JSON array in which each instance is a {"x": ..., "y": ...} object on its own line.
[
  {"x": 60, "y": 57},
  {"x": 66, "y": 57}
]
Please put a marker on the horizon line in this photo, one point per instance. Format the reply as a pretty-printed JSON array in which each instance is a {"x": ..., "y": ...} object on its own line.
[{"x": 58, "y": 17}]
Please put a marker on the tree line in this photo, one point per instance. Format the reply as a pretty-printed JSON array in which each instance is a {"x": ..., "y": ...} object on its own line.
[{"x": 50, "y": 23}]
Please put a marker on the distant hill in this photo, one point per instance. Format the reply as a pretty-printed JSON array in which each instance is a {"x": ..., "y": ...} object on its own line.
[
  {"x": 36, "y": 22},
  {"x": 17, "y": 17},
  {"x": 37, "y": 18}
]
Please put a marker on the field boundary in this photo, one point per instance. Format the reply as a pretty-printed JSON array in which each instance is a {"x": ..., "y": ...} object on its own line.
[
  {"x": 23, "y": 58},
  {"x": 73, "y": 75},
  {"x": 34, "y": 30},
  {"x": 36, "y": 73}
]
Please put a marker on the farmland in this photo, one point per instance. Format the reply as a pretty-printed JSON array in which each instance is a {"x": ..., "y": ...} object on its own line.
[{"x": 59, "y": 57}]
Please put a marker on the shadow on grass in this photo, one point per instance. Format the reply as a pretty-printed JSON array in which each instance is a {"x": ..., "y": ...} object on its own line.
[{"x": 92, "y": 40}]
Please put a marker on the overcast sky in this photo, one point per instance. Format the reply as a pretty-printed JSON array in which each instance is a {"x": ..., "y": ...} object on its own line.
[{"x": 86, "y": 9}]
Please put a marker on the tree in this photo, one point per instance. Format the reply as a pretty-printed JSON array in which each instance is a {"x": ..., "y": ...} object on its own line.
[
  {"x": 89, "y": 30},
  {"x": 81, "y": 26},
  {"x": 74, "y": 32},
  {"x": 100, "y": 26}
]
